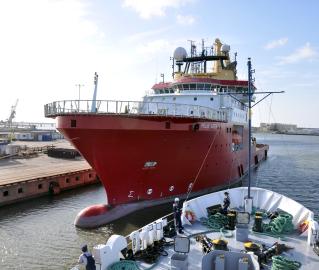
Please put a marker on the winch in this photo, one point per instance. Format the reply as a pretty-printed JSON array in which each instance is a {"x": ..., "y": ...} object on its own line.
[{"x": 220, "y": 244}]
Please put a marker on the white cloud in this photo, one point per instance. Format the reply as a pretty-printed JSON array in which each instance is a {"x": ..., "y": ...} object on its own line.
[
  {"x": 304, "y": 53},
  {"x": 276, "y": 43},
  {"x": 185, "y": 19},
  {"x": 149, "y": 8}
]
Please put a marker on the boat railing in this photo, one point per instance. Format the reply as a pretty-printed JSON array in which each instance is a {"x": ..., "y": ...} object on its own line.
[
  {"x": 65, "y": 107},
  {"x": 169, "y": 217}
]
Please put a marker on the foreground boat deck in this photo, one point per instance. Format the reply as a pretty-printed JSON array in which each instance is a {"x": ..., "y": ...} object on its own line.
[{"x": 301, "y": 252}]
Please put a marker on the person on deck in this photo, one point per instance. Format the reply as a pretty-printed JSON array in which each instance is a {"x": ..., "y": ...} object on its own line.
[
  {"x": 87, "y": 259},
  {"x": 177, "y": 216},
  {"x": 226, "y": 203}
]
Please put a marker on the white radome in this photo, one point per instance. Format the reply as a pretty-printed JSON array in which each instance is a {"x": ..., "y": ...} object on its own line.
[
  {"x": 225, "y": 48},
  {"x": 180, "y": 53}
]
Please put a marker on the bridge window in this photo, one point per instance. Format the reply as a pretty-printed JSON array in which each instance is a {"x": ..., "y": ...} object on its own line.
[
  {"x": 200, "y": 86},
  {"x": 192, "y": 86}
]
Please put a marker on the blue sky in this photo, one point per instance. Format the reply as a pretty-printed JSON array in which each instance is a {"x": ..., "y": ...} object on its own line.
[{"x": 49, "y": 46}]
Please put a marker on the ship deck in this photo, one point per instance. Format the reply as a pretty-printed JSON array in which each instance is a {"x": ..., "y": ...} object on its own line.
[
  {"x": 301, "y": 252},
  {"x": 294, "y": 246}
]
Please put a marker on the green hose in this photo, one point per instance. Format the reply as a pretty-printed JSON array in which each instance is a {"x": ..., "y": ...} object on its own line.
[{"x": 282, "y": 263}]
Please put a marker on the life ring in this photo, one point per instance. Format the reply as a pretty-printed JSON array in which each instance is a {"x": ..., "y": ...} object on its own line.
[
  {"x": 190, "y": 215},
  {"x": 303, "y": 226}
]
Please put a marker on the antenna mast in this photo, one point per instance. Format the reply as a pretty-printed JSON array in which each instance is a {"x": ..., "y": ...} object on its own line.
[
  {"x": 250, "y": 80},
  {"x": 79, "y": 86},
  {"x": 96, "y": 78}
]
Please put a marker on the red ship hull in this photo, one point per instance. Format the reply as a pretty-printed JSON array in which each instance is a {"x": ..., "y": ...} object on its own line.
[{"x": 154, "y": 158}]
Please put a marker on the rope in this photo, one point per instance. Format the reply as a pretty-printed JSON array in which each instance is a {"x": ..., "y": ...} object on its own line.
[
  {"x": 124, "y": 265},
  {"x": 201, "y": 167},
  {"x": 280, "y": 225},
  {"x": 282, "y": 263},
  {"x": 215, "y": 222}
]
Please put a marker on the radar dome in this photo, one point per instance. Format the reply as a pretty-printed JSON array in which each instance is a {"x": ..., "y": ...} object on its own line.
[
  {"x": 180, "y": 53},
  {"x": 225, "y": 48}
]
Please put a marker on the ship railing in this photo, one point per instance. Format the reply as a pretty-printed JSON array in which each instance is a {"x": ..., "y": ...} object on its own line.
[
  {"x": 132, "y": 108},
  {"x": 169, "y": 217}
]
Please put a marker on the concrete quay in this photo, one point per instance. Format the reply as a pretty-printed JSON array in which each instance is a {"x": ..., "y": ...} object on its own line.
[{"x": 22, "y": 179}]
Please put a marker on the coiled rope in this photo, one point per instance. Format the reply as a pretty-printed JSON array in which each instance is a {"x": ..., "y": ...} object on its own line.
[
  {"x": 282, "y": 263},
  {"x": 124, "y": 265},
  {"x": 280, "y": 225},
  {"x": 215, "y": 222}
]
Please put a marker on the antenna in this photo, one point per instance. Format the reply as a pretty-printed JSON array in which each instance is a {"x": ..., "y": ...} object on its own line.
[
  {"x": 250, "y": 79},
  {"x": 248, "y": 199},
  {"x": 96, "y": 78},
  {"x": 163, "y": 76},
  {"x": 79, "y": 86},
  {"x": 173, "y": 65},
  {"x": 193, "y": 53}
]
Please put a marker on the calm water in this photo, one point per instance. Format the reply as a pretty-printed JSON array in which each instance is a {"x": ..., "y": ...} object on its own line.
[{"x": 39, "y": 234}]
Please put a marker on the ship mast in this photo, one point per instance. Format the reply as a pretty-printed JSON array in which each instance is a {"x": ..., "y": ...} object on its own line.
[{"x": 250, "y": 72}]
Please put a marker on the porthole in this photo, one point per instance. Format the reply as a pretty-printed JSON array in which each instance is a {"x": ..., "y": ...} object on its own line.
[
  {"x": 149, "y": 191},
  {"x": 171, "y": 188},
  {"x": 195, "y": 98}
]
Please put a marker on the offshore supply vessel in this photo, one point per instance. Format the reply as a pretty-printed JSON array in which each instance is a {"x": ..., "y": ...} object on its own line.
[{"x": 186, "y": 138}]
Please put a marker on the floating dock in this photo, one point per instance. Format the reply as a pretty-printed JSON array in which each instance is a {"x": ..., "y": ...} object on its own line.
[{"x": 22, "y": 179}]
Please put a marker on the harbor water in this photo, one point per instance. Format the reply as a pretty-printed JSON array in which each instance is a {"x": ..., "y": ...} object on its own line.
[{"x": 39, "y": 234}]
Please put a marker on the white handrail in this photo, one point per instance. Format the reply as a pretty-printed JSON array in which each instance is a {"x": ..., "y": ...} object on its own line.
[{"x": 132, "y": 108}]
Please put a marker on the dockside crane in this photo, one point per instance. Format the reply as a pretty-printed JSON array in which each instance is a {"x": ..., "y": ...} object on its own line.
[{"x": 12, "y": 114}]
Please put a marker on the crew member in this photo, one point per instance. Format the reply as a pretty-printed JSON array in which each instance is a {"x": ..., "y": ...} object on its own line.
[
  {"x": 177, "y": 216},
  {"x": 226, "y": 203},
  {"x": 87, "y": 259}
]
